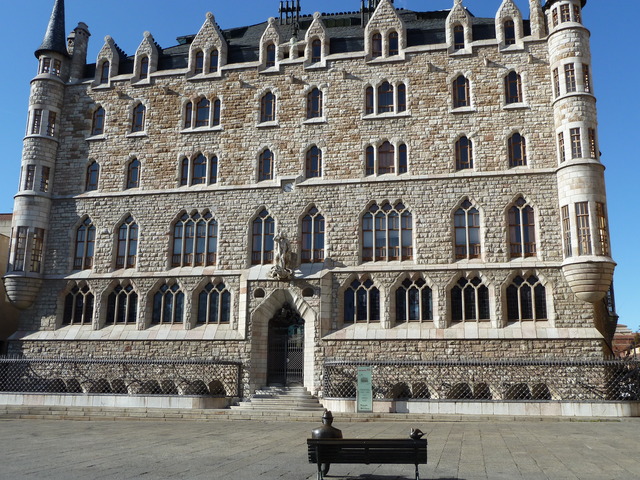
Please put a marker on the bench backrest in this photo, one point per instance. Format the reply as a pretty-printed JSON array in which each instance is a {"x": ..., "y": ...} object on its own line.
[{"x": 368, "y": 451}]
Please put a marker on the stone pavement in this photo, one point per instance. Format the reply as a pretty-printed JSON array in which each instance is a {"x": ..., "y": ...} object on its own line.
[{"x": 243, "y": 450}]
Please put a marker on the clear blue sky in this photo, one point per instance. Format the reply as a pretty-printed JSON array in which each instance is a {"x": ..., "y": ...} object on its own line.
[{"x": 616, "y": 68}]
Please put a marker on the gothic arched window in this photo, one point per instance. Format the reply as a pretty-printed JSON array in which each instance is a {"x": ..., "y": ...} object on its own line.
[
  {"x": 85, "y": 245},
  {"x": 361, "y": 302},
  {"x": 526, "y": 299},
  {"x": 195, "y": 240},
  {"x": 127, "y": 248},
  {"x": 312, "y": 237},
  {"x": 78, "y": 306},
  {"x": 97, "y": 124},
  {"x": 469, "y": 301},
  {"x": 522, "y": 230},
  {"x": 414, "y": 301},
  {"x": 467, "y": 231},
  {"x": 262, "y": 242},
  {"x": 387, "y": 233},
  {"x": 214, "y": 304},
  {"x": 168, "y": 305},
  {"x": 122, "y": 305}
]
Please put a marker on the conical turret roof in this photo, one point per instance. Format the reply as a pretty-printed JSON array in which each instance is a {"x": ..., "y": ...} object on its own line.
[{"x": 55, "y": 38}]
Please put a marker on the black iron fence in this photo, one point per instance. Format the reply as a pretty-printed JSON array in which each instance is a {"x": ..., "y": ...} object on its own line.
[
  {"x": 121, "y": 376},
  {"x": 540, "y": 380}
]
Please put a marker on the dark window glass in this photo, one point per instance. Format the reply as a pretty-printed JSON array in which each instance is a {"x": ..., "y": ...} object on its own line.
[
  {"x": 316, "y": 51},
  {"x": 393, "y": 44},
  {"x": 312, "y": 237},
  {"x": 202, "y": 113},
  {"x": 265, "y": 166},
  {"x": 127, "y": 244},
  {"x": 369, "y": 101},
  {"x": 509, "y": 32},
  {"x": 461, "y": 92},
  {"x": 195, "y": 240},
  {"x": 271, "y": 55},
  {"x": 268, "y": 108},
  {"x": 93, "y": 173},
  {"x": 402, "y": 158},
  {"x": 133, "y": 174},
  {"x": 361, "y": 302},
  {"x": 104, "y": 72},
  {"x": 464, "y": 154},
  {"x": 98, "y": 122},
  {"x": 138, "y": 118},
  {"x": 402, "y": 97},
  {"x": 458, "y": 37},
  {"x": 144, "y": 66},
  {"x": 214, "y": 58},
  {"x": 216, "y": 113},
  {"x": 199, "y": 170},
  {"x": 188, "y": 113},
  {"x": 314, "y": 103},
  {"x": 517, "y": 151},
  {"x": 262, "y": 239},
  {"x": 522, "y": 230},
  {"x": 314, "y": 162},
  {"x": 168, "y": 305},
  {"x": 385, "y": 98},
  {"x": 467, "y": 231},
  {"x": 387, "y": 233},
  {"x": 199, "y": 67},
  {"x": 376, "y": 45},
  {"x": 386, "y": 158},
  {"x": 513, "y": 88}
]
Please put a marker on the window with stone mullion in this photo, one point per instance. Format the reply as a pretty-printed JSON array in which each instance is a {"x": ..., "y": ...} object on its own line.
[
  {"x": 214, "y": 304},
  {"x": 78, "y": 306},
  {"x": 414, "y": 302},
  {"x": 262, "y": 239},
  {"x": 122, "y": 305},
  {"x": 168, "y": 305},
  {"x": 85, "y": 242},
  {"x": 361, "y": 302}
]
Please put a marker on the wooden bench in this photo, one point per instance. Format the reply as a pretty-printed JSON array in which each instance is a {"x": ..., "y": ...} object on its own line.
[{"x": 366, "y": 451}]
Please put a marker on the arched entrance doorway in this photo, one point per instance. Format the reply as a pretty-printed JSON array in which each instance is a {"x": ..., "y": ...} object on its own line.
[{"x": 285, "y": 358}]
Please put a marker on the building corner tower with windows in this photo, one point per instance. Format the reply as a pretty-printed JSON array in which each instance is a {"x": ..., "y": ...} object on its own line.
[{"x": 379, "y": 185}]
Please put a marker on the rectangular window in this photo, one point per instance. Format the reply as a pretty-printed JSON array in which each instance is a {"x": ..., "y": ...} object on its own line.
[
  {"x": 576, "y": 14},
  {"x": 57, "y": 68},
  {"x": 45, "y": 66},
  {"x": 563, "y": 156},
  {"x": 29, "y": 177},
  {"x": 584, "y": 230},
  {"x": 570, "y": 77},
  {"x": 566, "y": 231},
  {"x": 565, "y": 13},
  {"x": 36, "y": 121},
  {"x": 603, "y": 231},
  {"x": 576, "y": 143},
  {"x": 36, "y": 250},
  {"x": 593, "y": 147},
  {"x": 20, "y": 249},
  {"x": 44, "y": 179},
  {"x": 586, "y": 78},
  {"x": 556, "y": 82},
  {"x": 555, "y": 17},
  {"x": 51, "y": 124}
]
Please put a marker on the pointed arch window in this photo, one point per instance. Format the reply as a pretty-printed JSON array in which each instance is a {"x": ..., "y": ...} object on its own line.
[
  {"x": 268, "y": 107},
  {"x": 316, "y": 51},
  {"x": 376, "y": 45},
  {"x": 97, "y": 125},
  {"x": 122, "y": 306},
  {"x": 215, "y": 119},
  {"x": 469, "y": 301},
  {"x": 127, "y": 244},
  {"x": 133, "y": 174},
  {"x": 104, "y": 72},
  {"x": 385, "y": 98},
  {"x": 522, "y": 230},
  {"x": 214, "y": 59},
  {"x": 526, "y": 299},
  {"x": 271, "y": 55},
  {"x": 467, "y": 231},
  {"x": 361, "y": 302},
  {"x": 202, "y": 112},
  {"x": 313, "y": 167},
  {"x": 461, "y": 92},
  {"x": 414, "y": 301},
  {"x": 314, "y": 103},
  {"x": 199, "y": 62},
  {"x": 464, "y": 154},
  {"x": 265, "y": 166},
  {"x": 312, "y": 237},
  {"x": 394, "y": 47},
  {"x": 387, "y": 233},
  {"x": 262, "y": 239},
  {"x": 188, "y": 113},
  {"x": 78, "y": 306},
  {"x": 386, "y": 159},
  {"x": 93, "y": 174},
  {"x": 85, "y": 245},
  {"x": 144, "y": 66},
  {"x": 195, "y": 240},
  {"x": 458, "y": 37},
  {"x": 509, "y": 28},
  {"x": 168, "y": 305},
  {"x": 139, "y": 114},
  {"x": 517, "y": 151},
  {"x": 512, "y": 88},
  {"x": 214, "y": 304}
]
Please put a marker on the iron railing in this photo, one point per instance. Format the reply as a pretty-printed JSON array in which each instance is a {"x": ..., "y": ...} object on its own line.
[
  {"x": 125, "y": 376},
  {"x": 539, "y": 380}
]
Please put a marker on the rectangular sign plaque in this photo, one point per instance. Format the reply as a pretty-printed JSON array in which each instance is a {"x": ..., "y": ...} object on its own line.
[{"x": 365, "y": 391}]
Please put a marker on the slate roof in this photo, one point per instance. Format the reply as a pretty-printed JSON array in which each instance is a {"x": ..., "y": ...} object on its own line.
[
  {"x": 344, "y": 29},
  {"x": 55, "y": 38}
]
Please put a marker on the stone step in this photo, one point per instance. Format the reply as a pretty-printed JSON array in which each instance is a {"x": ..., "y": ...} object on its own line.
[{"x": 280, "y": 399}]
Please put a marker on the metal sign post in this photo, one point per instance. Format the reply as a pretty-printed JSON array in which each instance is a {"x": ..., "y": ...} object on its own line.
[{"x": 365, "y": 391}]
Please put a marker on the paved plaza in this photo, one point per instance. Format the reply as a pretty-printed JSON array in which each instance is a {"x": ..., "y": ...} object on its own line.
[{"x": 242, "y": 450}]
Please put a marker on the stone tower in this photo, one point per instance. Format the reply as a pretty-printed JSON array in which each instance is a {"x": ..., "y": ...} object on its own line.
[
  {"x": 33, "y": 201},
  {"x": 588, "y": 266}
]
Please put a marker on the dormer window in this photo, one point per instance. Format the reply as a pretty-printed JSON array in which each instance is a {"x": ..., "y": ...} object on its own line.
[
  {"x": 104, "y": 72},
  {"x": 144, "y": 67},
  {"x": 509, "y": 32},
  {"x": 214, "y": 58},
  {"x": 199, "y": 63},
  {"x": 394, "y": 48},
  {"x": 271, "y": 56},
  {"x": 316, "y": 51},
  {"x": 458, "y": 37},
  {"x": 376, "y": 45}
]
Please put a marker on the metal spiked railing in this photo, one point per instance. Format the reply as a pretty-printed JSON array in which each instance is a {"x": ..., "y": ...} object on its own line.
[
  {"x": 125, "y": 376},
  {"x": 538, "y": 380}
]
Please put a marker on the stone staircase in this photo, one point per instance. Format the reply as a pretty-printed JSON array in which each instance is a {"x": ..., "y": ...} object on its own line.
[{"x": 282, "y": 399}]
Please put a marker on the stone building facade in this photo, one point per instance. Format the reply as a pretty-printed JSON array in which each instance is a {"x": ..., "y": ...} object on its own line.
[{"x": 383, "y": 184}]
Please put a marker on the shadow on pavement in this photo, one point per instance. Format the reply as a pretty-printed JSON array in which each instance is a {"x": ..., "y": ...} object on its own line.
[{"x": 369, "y": 476}]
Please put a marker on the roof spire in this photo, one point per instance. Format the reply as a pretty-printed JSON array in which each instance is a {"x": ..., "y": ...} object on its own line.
[{"x": 55, "y": 39}]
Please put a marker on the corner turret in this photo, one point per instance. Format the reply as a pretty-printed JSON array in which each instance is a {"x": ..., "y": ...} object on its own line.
[
  {"x": 588, "y": 266},
  {"x": 32, "y": 207}
]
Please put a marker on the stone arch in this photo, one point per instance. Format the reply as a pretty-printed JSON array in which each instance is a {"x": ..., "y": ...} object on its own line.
[
  {"x": 260, "y": 318},
  {"x": 412, "y": 276}
]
